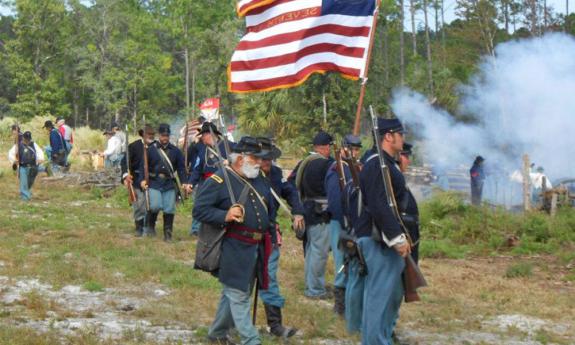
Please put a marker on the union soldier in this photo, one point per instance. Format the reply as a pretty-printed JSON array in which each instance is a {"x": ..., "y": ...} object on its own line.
[
  {"x": 309, "y": 176},
  {"x": 354, "y": 260},
  {"x": 410, "y": 216},
  {"x": 250, "y": 225},
  {"x": 477, "y": 179},
  {"x": 30, "y": 155},
  {"x": 333, "y": 188},
  {"x": 384, "y": 252},
  {"x": 136, "y": 150},
  {"x": 165, "y": 167},
  {"x": 205, "y": 161},
  {"x": 281, "y": 188}
]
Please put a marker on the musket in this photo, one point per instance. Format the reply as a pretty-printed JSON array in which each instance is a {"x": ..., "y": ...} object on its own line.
[
  {"x": 132, "y": 198},
  {"x": 353, "y": 166},
  {"x": 412, "y": 277},
  {"x": 146, "y": 170},
  {"x": 339, "y": 166},
  {"x": 186, "y": 149}
]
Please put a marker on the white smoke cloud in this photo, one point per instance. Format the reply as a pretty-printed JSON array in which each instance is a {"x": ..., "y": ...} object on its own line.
[{"x": 524, "y": 102}]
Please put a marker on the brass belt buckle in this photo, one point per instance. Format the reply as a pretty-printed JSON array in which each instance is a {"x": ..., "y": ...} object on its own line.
[{"x": 258, "y": 236}]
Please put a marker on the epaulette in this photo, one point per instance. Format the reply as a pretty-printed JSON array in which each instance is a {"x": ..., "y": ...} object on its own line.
[{"x": 217, "y": 178}]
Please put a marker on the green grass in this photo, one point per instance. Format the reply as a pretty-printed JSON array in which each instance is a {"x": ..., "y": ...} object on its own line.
[
  {"x": 452, "y": 229},
  {"x": 519, "y": 270}
]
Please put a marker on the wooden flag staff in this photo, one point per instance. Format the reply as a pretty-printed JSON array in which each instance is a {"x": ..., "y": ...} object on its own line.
[{"x": 357, "y": 123}]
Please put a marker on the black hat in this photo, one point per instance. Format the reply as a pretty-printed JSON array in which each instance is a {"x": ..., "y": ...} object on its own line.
[
  {"x": 250, "y": 146},
  {"x": 407, "y": 149},
  {"x": 389, "y": 126},
  {"x": 208, "y": 127},
  {"x": 322, "y": 138},
  {"x": 351, "y": 140},
  {"x": 58, "y": 119},
  {"x": 108, "y": 131},
  {"x": 479, "y": 159},
  {"x": 267, "y": 145},
  {"x": 115, "y": 125},
  {"x": 27, "y": 135},
  {"x": 15, "y": 127},
  {"x": 164, "y": 128},
  {"x": 48, "y": 124}
]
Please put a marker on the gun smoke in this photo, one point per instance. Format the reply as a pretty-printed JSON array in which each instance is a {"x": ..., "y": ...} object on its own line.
[{"x": 521, "y": 101}]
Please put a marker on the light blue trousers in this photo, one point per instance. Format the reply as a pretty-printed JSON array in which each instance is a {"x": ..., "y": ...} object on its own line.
[
  {"x": 339, "y": 275},
  {"x": 234, "y": 311},
  {"x": 317, "y": 252},
  {"x": 26, "y": 182},
  {"x": 383, "y": 292},
  {"x": 354, "y": 297},
  {"x": 272, "y": 295},
  {"x": 163, "y": 201}
]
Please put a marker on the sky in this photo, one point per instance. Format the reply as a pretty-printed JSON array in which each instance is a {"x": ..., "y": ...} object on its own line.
[{"x": 558, "y": 5}]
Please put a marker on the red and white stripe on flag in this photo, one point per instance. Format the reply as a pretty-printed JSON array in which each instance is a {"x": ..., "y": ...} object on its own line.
[{"x": 288, "y": 40}]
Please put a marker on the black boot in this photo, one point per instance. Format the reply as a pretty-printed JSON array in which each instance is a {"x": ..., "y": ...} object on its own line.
[
  {"x": 339, "y": 304},
  {"x": 139, "y": 228},
  {"x": 151, "y": 229},
  {"x": 274, "y": 316},
  {"x": 168, "y": 226}
]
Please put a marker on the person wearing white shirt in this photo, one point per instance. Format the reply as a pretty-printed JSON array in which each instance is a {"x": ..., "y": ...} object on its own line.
[
  {"x": 27, "y": 156},
  {"x": 113, "y": 152}
]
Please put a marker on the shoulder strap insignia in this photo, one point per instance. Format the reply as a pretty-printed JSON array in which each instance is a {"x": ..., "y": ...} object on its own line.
[{"x": 217, "y": 178}]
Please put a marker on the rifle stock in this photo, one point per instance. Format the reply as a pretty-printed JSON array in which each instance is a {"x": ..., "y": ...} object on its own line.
[{"x": 412, "y": 276}]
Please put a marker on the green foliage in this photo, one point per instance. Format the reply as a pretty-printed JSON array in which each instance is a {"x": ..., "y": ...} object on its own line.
[
  {"x": 451, "y": 228},
  {"x": 519, "y": 270}
]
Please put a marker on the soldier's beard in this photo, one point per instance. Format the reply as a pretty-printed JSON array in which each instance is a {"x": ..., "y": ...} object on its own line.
[{"x": 250, "y": 170}]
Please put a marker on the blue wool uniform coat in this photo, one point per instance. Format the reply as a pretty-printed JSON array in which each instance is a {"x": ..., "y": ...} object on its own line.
[
  {"x": 374, "y": 197},
  {"x": 206, "y": 162},
  {"x": 285, "y": 190},
  {"x": 157, "y": 166},
  {"x": 334, "y": 192},
  {"x": 56, "y": 141},
  {"x": 240, "y": 261}
]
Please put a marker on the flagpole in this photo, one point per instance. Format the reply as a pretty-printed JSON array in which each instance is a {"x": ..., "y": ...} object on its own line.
[{"x": 364, "y": 78}]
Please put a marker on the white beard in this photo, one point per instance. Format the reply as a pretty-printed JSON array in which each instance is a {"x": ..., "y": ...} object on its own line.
[{"x": 250, "y": 171}]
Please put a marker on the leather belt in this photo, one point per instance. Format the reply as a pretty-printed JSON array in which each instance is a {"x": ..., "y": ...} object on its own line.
[{"x": 241, "y": 233}]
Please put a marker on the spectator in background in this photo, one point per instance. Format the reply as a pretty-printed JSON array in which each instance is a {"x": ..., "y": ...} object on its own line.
[
  {"x": 56, "y": 151},
  {"x": 113, "y": 153},
  {"x": 66, "y": 133},
  {"x": 539, "y": 182},
  {"x": 122, "y": 137}
]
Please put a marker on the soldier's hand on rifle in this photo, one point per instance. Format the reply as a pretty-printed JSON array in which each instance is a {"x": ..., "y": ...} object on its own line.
[
  {"x": 298, "y": 223},
  {"x": 226, "y": 163},
  {"x": 188, "y": 188},
  {"x": 144, "y": 185},
  {"x": 402, "y": 249},
  {"x": 235, "y": 214},
  {"x": 128, "y": 180}
]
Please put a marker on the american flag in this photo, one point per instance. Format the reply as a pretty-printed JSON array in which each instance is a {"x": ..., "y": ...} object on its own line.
[{"x": 288, "y": 40}]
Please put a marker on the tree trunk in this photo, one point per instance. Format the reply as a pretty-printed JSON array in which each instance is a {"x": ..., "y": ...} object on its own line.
[
  {"x": 443, "y": 31},
  {"x": 413, "y": 32},
  {"x": 436, "y": 9},
  {"x": 401, "y": 44},
  {"x": 505, "y": 5},
  {"x": 544, "y": 16},
  {"x": 428, "y": 50},
  {"x": 567, "y": 15},
  {"x": 386, "y": 55}
]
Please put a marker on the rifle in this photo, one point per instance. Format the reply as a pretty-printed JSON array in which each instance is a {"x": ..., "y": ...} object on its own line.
[
  {"x": 339, "y": 166},
  {"x": 186, "y": 149},
  {"x": 412, "y": 277},
  {"x": 353, "y": 166},
  {"x": 132, "y": 198},
  {"x": 146, "y": 171}
]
